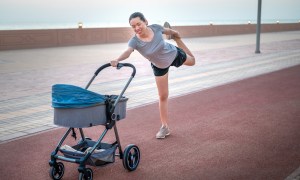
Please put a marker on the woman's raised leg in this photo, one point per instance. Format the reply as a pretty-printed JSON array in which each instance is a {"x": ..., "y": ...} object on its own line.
[{"x": 190, "y": 58}]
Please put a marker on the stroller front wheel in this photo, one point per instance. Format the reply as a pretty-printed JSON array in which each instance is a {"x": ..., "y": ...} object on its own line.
[
  {"x": 56, "y": 171},
  {"x": 87, "y": 175},
  {"x": 131, "y": 157}
]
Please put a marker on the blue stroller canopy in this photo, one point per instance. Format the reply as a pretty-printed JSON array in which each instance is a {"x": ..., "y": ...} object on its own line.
[{"x": 69, "y": 96}]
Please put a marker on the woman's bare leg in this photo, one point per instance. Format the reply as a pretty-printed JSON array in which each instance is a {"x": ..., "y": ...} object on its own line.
[
  {"x": 172, "y": 34},
  {"x": 190, "y": 58},
  {"x": 163, "y": 93}
]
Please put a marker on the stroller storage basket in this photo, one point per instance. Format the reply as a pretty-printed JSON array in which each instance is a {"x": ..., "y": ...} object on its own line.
[{"x": 104, "y": 154}]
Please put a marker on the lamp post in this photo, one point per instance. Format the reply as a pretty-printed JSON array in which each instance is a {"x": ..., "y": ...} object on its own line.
[{"x": 257, "y": 51}]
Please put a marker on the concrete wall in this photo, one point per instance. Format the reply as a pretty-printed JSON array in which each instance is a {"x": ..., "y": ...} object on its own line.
[{"x": 21, "y": 39}]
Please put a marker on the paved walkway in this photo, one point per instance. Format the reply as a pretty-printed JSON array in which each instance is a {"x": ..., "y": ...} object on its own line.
[
  {"x": 243, "y": 130},
  {"x": 26, "y": 76}
]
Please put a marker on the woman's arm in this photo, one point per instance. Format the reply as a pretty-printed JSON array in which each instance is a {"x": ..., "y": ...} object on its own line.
[
  {"x": 122, "y": 57},
  {"x": 171, "y": 32}
]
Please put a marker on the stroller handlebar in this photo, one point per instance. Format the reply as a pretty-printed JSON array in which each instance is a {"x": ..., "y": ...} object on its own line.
[{"x": 119, "y": 66}]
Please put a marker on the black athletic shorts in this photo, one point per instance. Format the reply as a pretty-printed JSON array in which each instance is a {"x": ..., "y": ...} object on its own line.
[{"x": 178, "y": 61}]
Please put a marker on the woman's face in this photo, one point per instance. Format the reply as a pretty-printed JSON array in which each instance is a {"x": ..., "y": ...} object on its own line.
[{"x": 138, "y": 25}]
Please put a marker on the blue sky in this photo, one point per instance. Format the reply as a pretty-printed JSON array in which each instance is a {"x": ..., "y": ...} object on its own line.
[{"x": 116, "y": 12}]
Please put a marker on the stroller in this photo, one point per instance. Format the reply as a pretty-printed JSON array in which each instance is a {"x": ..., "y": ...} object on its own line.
[{"x": 100, "y": 110}]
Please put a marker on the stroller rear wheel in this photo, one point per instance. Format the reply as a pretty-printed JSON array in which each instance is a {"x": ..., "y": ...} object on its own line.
[
  {"x": 131, "y": 157},
  {"x": 87, "y": 175},
  {"x": 56, "y": 171}
]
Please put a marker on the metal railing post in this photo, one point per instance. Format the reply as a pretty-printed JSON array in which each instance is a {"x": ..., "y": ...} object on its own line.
[{"x": 257, "y": 51}]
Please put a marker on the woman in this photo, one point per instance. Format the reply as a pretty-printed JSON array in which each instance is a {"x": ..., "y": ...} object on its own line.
[{"x": 148, "y": 41}]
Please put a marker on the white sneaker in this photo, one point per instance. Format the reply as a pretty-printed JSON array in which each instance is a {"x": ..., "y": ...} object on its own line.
[
  {"x": 163, "y": 132},
  {"x": 167, "y": 25}
]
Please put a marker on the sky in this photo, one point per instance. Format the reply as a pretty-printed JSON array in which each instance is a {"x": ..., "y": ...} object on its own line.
[{"x": 116, "y": 12}]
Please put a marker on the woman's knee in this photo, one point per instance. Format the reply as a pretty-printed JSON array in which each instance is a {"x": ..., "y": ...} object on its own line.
[
  {"x": 163, "y": 97},
  {"x": 190, "y": 61}
]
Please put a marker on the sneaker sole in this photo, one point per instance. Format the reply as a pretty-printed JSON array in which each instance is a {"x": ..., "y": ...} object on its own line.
[
  {"x": 163, "y": 137},
  {"x": 167, "y": 25}
]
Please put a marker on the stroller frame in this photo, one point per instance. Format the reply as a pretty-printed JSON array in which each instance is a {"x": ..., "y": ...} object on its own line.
[{"x": 130, "y": 157}]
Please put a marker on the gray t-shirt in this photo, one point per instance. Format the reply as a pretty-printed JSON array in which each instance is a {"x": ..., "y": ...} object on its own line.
[{"x": 157, "y": 51}]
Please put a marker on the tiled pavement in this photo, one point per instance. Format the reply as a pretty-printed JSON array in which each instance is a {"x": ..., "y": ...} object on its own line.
[{"x": 27, "y": 75}]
